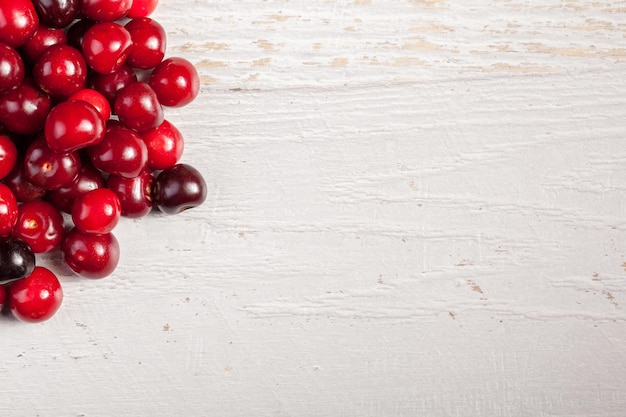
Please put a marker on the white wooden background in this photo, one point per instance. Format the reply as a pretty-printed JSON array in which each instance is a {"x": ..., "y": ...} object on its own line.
[{"x": 416, "y": 208}]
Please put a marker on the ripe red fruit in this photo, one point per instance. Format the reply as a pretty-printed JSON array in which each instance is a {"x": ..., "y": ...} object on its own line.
[
  {"x": 3, "y": 296},
  {"x": 90, "y": 255},
  {"x": 165, "y": 146},
  {"x": 96, "y": 99},
  {"x": 8, "y": 210},
  {"x": 138, "y": 107},
  {"x": 49, "y": 169},
  {"x": 149, "y": 43},
  {"x": 22, "y": 187},
  {"x": 8, "y": 155},
  {"x": 40, "y": 225},
  {"x": 18, "y": 23},
  {"x": 179, "y": 188},
  {"x": 110, "y": 84},
  {"x": 175, "y": 81},
  {"x": 88, "y": 179},
  {"x": 142, "y": 8},
  {"x": 11, "y": 68},
  {"x": 73, "y": 125},
  {"x": 37, "y": 297},
  {"x": 105, "y": 10},
  {"x": 43, "y": 38},
  {"x": 121, "y": 152},
  {"x": 96, "y": 211},
  {"x": 135, "y": 194},
  {"x": 105, "y": 46},
  {"x": 60, "y": 71},
  {"x": 57, "y": 13},
  {"x": 23, "y": 110}
]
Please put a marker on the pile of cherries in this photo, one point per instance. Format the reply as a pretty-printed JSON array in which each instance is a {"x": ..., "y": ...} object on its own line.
[{"x": 83, "y": 139}]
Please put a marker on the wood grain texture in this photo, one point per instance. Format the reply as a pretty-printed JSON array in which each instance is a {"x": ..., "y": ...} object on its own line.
[{"x": 416, "y": 207}]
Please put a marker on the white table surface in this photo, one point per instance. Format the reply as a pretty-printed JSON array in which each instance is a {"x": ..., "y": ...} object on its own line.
[{"x": 416, "y": 208}]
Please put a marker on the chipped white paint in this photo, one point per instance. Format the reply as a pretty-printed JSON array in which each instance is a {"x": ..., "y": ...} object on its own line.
[{"x": 416, "y": 208}]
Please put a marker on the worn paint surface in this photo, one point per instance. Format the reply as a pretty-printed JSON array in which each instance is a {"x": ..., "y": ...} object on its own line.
[{"x": 415, "y": 208}]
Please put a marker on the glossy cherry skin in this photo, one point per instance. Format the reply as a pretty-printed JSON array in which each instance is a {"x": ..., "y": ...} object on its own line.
[
  {"x": 142, "y": 8},
  {"x": 105, "y": 10},
  {"x": 22, "y": 187},
  {"x": 8, "y": 210},
  {"x": 17, "y": 259},
  {"x": 175, "y": 81},
  {"x": 105, "y": 46},
  {"x": 90, "y": 255},
  {"x": 44, "y": 38},
  {"x": 8, "y": 155},
  {"x": 138, "y": 107},
  {"x": 179, "y": 188},
  {"x": 96, "y": 99},
  {"x": 11, "y": 68},
  {"x": 57, "y": 13},
  {"x": 73, "y": 125},
  {"x": 76, "y": 32},
  {"x": 49, "y": 169},
  {"x": 37, "y": 297},
  {"x": 121, "y": 152},
  {"x": 135, "y": 194},
  {"x": 110, "y": 84},
  {"x": 40, "y": 225},
  {"x": 18, "y": 22},
  {"x": 24, "y": 109},
  {"x": 165, "y": 146},
  {"x": 149, "y": 43},
  {"x": 60, "y": 71},
  {"x": 97, "y": 211},
  {"x": 88, "y": 179}
]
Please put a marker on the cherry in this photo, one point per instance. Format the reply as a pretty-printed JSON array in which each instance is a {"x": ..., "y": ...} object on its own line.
[
  {"x": 3, "y": 296},
  {"x": 18, "y": 22},
  {"x": 8, "y": 155},
  {"x": 23, "y": 110},
  {"x": 97, "y": 211},
  {"x": 179, "y": 188},
  {"x": 96, "y": 99},
  {"x": 37, "y": 297},
  {"x": 88, "y": 179},
  {"x": 135, "y": 194},
  {"x": 40, "y": 225},
  {"x": 138, "y": 107},
  {"x": 142, "y": 8},
  {"x": 165, "y": 145},
  {"x": 175, "y": 81},
  {"x": 76, "y": 32},
  {"x": 17, "y": 259},
  {"x": 73, "y": 125},
  {"x": 21, "y": 186},
  {"x": 11, "y": 68},
  {"x": 8, "y": 210},
  {"x": 105, "y": 10},
  {"x": 110, "y": 84},
  {"x": 42, "y": 40},
  {"x": 90, "y": 255},
  {"x": 57, "y": 13},
  {"x": 149, "y": 43},
  {"x": 49, "y": 169},
  {"x": 60, "y": 71},
  {"x": 105, "y": 46},
  {"x": 121, "y": 152}
]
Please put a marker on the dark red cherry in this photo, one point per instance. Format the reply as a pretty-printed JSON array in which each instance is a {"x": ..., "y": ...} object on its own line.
[
  {"x": 11, "y": 68},
  {"x": 37, "y": 297},
  {"x": 57, "y": 13},
  {"x": 105, "y": 10},
  {"x": 179, "y": 188},
  {"x": 8, "y": 155},
  {"x": 149, "y": 43},
  {"x": 60, "y": 71},
  {"x": 135, "y": 194},
  {"x": 105, "y": 46},
  {"x": 73, "y": 125},
  {"x": 76, "y": 32},
  {"x": 88, "y": 179},
  {"x": 8, "y": 210},
  {"x": 175, "y": 81},
  {"x": 18, "y": 21},
  {"x": 121, "y": 152},
  {"x": 24, "y": 109},
  {"x": 22, "y": 187},
  {"x": 138, "y": 107},
  {"x": 110, "y": 84},
  {"x": 44, "y": 38},
  {"x": 96, "y": 99},
  {"x": 49, "y": 169},
  {"x": 90, "y": 255},
  {"x": 40, "y": 225},
  {"x": 17, "y": 259}
]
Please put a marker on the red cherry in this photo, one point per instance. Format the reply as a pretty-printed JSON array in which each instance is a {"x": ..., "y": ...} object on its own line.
[
  {"x": 121, "y": 152},
  {"x": 138, "y": 107},
  {"x": 49, "y": 169},
  {"x": 90, "y": 255},
  {"x": 105, "y": 46},
  {"x": 60, "y": 71},
  {"x": 11, "y": 68},
  {"x": 88, "y": 179},
  {"x": 8, "y": 155},
  {"x": 22, "y": 187},
  {"x": 37, "y": 297},
  {"x": 8, "y": 210},
  {"x": 18, "y": 23},
  {"x": 76, "y": 32},
  {"x": 110, "y": 84},
  {"x": 105, "y": 10},
  {"x": 57, "y": 13},
  {"x": 135, "y": 194},
  {"x": 142, "y": 8},
  {"x": 97, "y": 211},
  {"x": 165, "y": 146},
  {"x": 40, "y": 225},
  {"x": 94, "y": 98},
  {"x": 44, "y": 38},
  {"x": 149, "y": 43},
  {"x": 3, "y": 296},
  {"x": 23, "y": 110},
  {"x": 73, "y": 125},
  {"x": 175, "y": 81}
]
